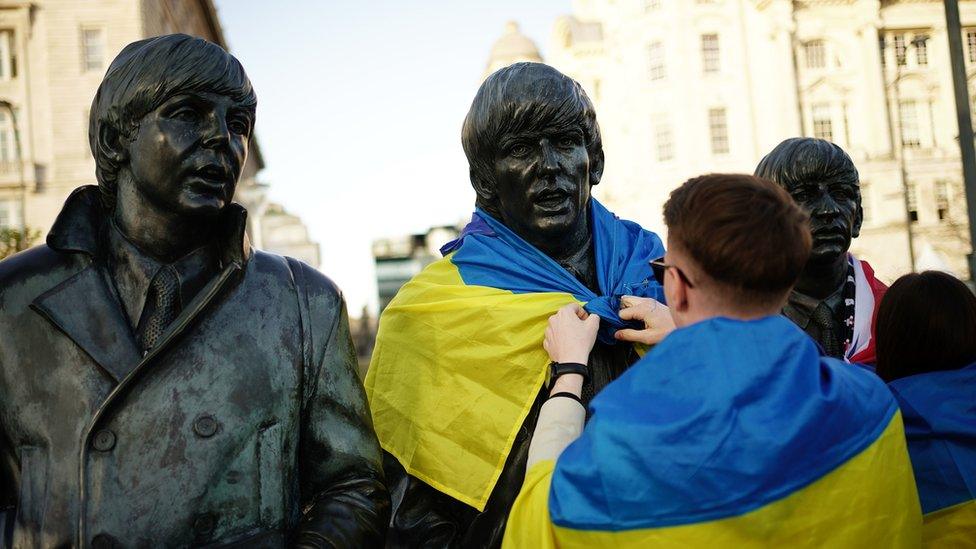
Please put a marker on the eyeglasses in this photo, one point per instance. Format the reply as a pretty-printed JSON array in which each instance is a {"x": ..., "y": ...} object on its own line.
[{"x": 658, "y": 267}]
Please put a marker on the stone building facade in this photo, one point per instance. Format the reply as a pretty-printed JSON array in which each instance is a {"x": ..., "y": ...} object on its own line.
[
  {"x": 53, "y": 54},
  {"x": 685, "y": 87}
]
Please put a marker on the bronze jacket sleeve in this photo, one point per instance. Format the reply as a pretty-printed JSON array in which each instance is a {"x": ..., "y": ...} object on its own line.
[{"x": 344, "y": 499}]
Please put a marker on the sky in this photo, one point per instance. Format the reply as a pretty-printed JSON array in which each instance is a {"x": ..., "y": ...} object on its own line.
[{"x": 360, "y": 105}]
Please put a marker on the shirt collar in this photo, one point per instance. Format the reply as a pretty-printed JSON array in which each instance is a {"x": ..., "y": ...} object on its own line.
[
  {"x": 133, "y": 269},
  {"x": 799, "y": 307}
]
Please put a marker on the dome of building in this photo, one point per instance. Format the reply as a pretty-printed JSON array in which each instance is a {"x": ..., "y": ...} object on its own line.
[{"x": 512, "y": 47}]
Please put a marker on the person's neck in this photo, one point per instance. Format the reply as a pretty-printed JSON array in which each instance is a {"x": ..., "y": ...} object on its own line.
[
  {"x": 820, "y": 280},
  {"x": 162, "y": 234}
]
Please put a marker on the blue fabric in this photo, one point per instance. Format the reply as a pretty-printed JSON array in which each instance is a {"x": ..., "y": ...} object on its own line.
[
  {"x": 939, "y": 410},
  {"x": 721, "y": 418},
  {"x": 489, "y": 254}
]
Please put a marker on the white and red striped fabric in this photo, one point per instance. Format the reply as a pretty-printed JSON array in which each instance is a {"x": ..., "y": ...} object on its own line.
[{"x": 868, "y": 291}]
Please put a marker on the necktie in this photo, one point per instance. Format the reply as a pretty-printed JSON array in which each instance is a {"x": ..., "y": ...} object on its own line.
[
  {"x": 163, "y": 300},
  {"x": 823, "y": 317}
]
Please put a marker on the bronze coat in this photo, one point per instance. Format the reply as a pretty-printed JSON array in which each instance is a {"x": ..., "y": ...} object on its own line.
[{"x": 248, "y": 409}]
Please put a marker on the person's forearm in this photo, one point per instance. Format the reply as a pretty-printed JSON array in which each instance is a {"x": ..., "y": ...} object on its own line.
[{"x": 560, "y": 420}]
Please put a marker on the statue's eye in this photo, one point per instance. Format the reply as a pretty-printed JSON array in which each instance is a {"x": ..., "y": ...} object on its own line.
[
  {"x": 238, "y": 126},
  {"x": 185, "y": 114},
  {"x": 520, "y": 151},
  {"x": 567, "y": 142}
]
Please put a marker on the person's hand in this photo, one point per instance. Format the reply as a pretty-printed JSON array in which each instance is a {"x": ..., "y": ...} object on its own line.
[
  {"x": 655, "y": 315},
  {"x": 571, "y": 334}
]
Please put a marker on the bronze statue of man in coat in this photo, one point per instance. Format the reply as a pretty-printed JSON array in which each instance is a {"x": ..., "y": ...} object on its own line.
[{"x": 161, "y": 382}]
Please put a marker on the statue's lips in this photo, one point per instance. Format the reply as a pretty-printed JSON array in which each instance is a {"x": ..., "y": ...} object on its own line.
[
  {"x": 207, "y": 184},
  {"x": 552, "y": 202}
]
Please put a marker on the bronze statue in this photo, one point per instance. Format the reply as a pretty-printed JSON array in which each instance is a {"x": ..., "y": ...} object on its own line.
[
  {"x": 161, "y": 382},
  {"x": 534, "y": 150},
  {"x": 836, "y": 298}
]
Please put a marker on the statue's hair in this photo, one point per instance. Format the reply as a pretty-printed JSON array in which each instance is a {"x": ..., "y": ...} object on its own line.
[
  {"x": 519, "y": 97},
  {"x": 800, "y": 159},
  {"x": 143, "y": 76}
]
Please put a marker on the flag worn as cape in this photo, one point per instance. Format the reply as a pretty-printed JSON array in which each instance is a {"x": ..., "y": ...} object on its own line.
[
  {"x": 459, "y": 361},
  {"x": 729, "y": 434},
  {"x": 940, "y": 422}
]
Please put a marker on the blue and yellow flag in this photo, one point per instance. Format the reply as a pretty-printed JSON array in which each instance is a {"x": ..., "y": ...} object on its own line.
[
  {"x": 459, "y": 361},
  {"x": 729, "y": 434},
  {"x": 940, "y": 422}
]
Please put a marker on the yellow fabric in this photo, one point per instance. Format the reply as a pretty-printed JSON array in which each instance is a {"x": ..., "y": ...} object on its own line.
[
  {"x": 454, "y": 372},
  {"x": 950, "y": 527},
  {"x": 869, "y": 501}
]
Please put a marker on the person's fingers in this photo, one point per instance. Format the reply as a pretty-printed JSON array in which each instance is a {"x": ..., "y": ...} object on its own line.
[
  {"x": 633, "y": 313},
  {"x": 593, "y": 321},
  {"x": 581, "y": 313},
  {"x": 634, "y": 336}
]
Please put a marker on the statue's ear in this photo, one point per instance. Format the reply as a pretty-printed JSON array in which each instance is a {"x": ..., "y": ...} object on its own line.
[
  {"x": 484, "y": 189},
  {"x": 858, "y": 218},
  {"x": 596, "y": 167},
  {"x": 112, "y": 143}
]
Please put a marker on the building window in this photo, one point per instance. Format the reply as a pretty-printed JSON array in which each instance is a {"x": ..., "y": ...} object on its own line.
[
  {"x": 942, "y": 199},
  {"x": 882, "y": 47},
  {"x": 9, "y": 214},
  {"x": 710, "y": 53},
  {"x": 8, "y": 143},
  {"x": 921, "y": 43},
  {"x": 908, "y": 115},
  {"x": 655, "y": 61},
  {"x": 823, "y": 127},
  {"x": 971, "y": 45},
  {"x": 664, "y": 141},
  {"x": 92, "y": 49},
  {"x": 900, "y": 48},
  {"x": 814, "y": 54},
  {"x": 651, "y": 5},
  {"x": 8, "y": 55},
  {"x": 718, "y": 130},
  {"x": 911, "y": 201}
]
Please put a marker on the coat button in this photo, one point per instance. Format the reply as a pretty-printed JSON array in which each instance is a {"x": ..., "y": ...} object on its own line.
[
  {"x": 104, "y": 440},
  {"x": 205, "y": 426},
  {"x": 204, "y": 524},
  {"x": 104, "y": 541}
]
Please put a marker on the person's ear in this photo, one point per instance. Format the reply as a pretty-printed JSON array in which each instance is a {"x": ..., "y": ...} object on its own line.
[
  {"x": 596, "y": 167},
  {"x": 112, "y": 143},
  {"x": 678, "y": 300}
]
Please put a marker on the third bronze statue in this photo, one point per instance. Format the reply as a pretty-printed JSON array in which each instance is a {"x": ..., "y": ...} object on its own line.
[
  {"x": 837, "y": 296},
  {"x": 459, "y": 367},
  {"x": 163, "y": 384}
]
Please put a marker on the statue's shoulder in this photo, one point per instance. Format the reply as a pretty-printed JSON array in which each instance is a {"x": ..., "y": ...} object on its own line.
[
  {"x": 38, "y": 265},
  {"x": 316, "y": 284}
]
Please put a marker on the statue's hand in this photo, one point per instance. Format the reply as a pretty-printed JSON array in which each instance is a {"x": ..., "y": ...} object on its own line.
[{"x": 655, "y": 315}]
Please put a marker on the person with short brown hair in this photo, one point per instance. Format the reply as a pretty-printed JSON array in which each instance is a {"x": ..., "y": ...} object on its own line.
[{"x": 734, "y": 429}]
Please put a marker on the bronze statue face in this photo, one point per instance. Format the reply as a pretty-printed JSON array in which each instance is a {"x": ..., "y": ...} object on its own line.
[
  {"x": 835, "y": 214},
  {"x": 542, "y": 182},
  {"x": 187, "y": 154}
]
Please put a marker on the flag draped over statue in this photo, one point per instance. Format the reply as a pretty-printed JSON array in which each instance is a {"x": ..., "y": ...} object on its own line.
[{"x": 459, "y": 359}]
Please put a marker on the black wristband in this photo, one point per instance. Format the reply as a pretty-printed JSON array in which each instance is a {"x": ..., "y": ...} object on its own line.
[
  {"x": 567, "y": 395},
  {"x": 557, "y": 369}
]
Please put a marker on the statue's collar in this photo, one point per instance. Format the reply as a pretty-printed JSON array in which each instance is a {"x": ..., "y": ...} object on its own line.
[{"x": 78, "y": 226}]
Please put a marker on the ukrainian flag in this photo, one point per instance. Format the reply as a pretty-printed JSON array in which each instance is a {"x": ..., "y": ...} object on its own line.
[
  {"x": 940, "y": 421},
  {"x": 729, "y": 434},
  {"x": 459, "y": 361}
]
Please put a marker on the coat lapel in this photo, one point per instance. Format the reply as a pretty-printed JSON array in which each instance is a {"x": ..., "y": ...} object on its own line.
[{"x": 85, "y": 308}]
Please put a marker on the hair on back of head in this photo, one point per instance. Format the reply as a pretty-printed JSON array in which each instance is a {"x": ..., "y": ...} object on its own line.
[
  {"x": 525, "y": 97},
  {"x": 144, "y": 75},
  {"x": 926, "y": 322},
  {"x": 744, "y": 233}
]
